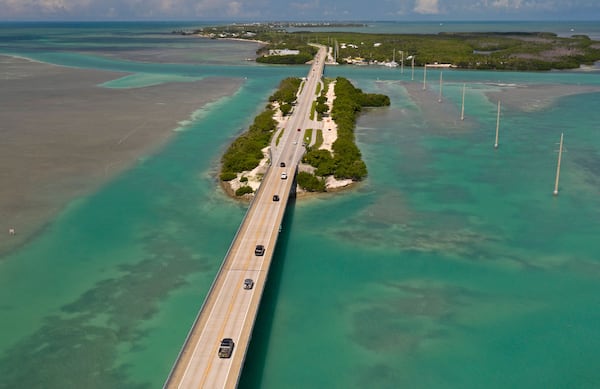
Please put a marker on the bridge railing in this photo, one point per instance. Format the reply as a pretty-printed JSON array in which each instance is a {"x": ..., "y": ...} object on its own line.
[{"x": 212, "y": 286}]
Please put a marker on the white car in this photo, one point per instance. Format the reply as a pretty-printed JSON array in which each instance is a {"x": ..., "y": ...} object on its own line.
[{"x": 284, "y": 176}]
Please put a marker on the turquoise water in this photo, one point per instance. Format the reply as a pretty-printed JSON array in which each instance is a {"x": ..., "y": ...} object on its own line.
[{"x": 451, "y": 266}]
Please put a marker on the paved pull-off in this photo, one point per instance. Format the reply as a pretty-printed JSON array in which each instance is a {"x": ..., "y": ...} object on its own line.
[{"x": 229, "y": 310}]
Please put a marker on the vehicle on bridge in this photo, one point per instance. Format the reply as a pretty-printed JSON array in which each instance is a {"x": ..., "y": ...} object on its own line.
[
  {"x": 226, "y": 348},
  {"x": 283, "y": 176},
  {"x": 275, "y": 197},
  {"x": 259, "y": 250},
  {"x": 282, "y": 164},
  {"x": 248, "y": 283}
]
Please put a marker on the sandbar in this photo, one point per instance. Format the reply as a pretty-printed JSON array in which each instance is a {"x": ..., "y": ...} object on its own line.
[
  {"x": 530, "y": 98},
  {"x": 193, "y": 50},
  {"x": 63, "y": 136}
]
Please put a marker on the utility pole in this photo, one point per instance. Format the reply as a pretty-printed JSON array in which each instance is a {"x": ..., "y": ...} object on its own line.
[
  {"x": 462, "y": 110},
  {"x": 497, "y": 125},
  {"x": 560, "y": 150},
  {"x": 440, "y": 97},
  {"x": 402, "y": 62}
]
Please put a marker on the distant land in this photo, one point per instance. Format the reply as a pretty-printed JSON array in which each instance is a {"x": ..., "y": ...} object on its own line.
[{"x": 521, "y": 51}]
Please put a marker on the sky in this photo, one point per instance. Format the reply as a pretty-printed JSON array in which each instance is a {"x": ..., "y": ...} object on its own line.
[{"x": 300, "y": 10}]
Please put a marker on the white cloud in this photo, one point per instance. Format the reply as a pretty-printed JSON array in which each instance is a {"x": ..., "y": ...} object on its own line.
[
  {"x": 44, "y": 7},
  {"x": 531, "y": 5},
  {"x": 426, "y": 7},
  {"x": 506, "y": 4},
  {"x": 207, "y": 6},
  {"x": 306, "y": 6},
  {"x": 234, "y": 8},
  {"x": 220, "y": 8},
  {"x": 284, "y": 9},
  {"x": 171, "y": 6}
]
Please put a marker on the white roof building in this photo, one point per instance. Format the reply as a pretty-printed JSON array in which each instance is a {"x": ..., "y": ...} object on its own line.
[{"x": 284, "y": 52}]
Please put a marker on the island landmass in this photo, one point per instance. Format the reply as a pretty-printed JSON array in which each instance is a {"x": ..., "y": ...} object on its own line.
[
  {"x": 332, "y": 159},
  {"x": 519, "y": 51}
]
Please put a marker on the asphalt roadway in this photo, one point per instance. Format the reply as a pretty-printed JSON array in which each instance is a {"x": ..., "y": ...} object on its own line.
[{"x": 229, "y": 310}]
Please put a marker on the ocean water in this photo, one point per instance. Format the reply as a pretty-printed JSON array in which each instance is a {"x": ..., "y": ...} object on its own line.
[{"x": 451, "y": 266}]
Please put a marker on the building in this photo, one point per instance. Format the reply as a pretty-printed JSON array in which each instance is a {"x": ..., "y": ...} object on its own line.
[{"x": 284, "y": 52}]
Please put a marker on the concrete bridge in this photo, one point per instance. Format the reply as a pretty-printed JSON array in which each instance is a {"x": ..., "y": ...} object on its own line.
[{"x": 229, "y": 310}]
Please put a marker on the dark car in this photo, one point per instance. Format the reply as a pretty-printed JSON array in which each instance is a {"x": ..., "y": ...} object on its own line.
[
  {"x": 259, "y": 250},
  {"x": 282, "y": 164},
  {"x": 275, "y": 197},
  {"x": 299, "y": 129},
  {"x": 248, "y": 283},
  {"x": 226, "y": 348}
]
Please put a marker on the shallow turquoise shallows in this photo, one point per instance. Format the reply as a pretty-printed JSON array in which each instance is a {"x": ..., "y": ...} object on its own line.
[{"x": 451, "y": 266}]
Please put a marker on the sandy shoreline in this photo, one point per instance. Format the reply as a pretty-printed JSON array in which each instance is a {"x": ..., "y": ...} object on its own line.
[
  {"x": 63, "y": 136},
  {"x": 255, "y": 176}
]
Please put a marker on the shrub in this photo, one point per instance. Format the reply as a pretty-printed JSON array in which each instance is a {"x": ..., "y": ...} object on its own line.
[
  {"x": 286, "y": 93},
  {"x": 245, "y": 152},
  {"x": 310, "y": 182},
  {"x": 285, "y": 108},
  {"x": 228, "y": 176},
  {"x": 346, "y": 161},
  {"x": 292, "y": 59},
  {"x": 349, "y": 101},
  {"x": 243, "y": 190}
]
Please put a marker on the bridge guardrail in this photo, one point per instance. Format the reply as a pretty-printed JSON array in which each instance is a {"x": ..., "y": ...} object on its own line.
[{"x": 212, "y": 286}]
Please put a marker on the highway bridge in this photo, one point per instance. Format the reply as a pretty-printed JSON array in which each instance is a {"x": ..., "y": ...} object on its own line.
[{"x": 229, "y": 310}]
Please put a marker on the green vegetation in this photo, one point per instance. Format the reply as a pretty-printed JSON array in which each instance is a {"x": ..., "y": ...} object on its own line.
[
  {"x": 279, "y": 137},
  {"x": 227, "y": 176},
  {"x": 285, "y": 109},
  {"x": 310, "y": 182},
  {"x": 484, "y": 50},
  {"x": 322, "y": 160},
  {"x": 319, "y": 140},
  {"x": 502, "y": 51},
  {"x": 243, "y": 190},
  {"x": 245, "y": 152},
  {"x": 318, "y": 91},
  {"x": 313, "y": 106},
  {"x": 286, "y": 93},
  {"x": 346, "y": 160},
  {"x": 321, "y": 106},
  {"x": 298, "y": 59},
  {"x": 308, "y": 136}
]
